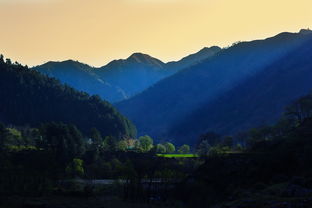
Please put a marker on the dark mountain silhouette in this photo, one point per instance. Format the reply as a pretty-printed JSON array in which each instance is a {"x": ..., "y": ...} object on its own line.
[
  {"x": 120, "y": 79},
  {"x": 30, "y": 98},
  {"x": 172, "y": 100},
  {"x": 81, "y": 77}
]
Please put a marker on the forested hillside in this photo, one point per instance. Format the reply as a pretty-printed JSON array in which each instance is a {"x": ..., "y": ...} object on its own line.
[{"x": 29, "y": 98}]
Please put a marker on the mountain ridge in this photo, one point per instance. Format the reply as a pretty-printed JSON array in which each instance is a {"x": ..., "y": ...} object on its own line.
[
  {"x": 173, "y": 98},
  {"x": 121, "y": 78}
]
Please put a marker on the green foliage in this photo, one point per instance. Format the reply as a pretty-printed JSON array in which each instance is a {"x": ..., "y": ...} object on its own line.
[
  {"x": 184, "y": 149},
  {"x": 170, "y": 148},
  {"x": 14, "y": 132},
  {"x": 218, "y": 150},
  {"x": 122, "y": 145},
  {"x": 146, "y": 143},
  {"x": 17, "y": 148},
  {"x": 178, "y": 155},
  {"x": 238, "y": 148},
  {"x": 160, "y": 148},
  {"x": 75, "y": 168},
  {"x": 109, "y": 143},
  {"x": 96, "y": 137},
  {"x": 137, "y": 145},
  {"x": 203, "y": 148},
  {"x": 12, "y": 139},
  {"x": 65, "y": 141}
]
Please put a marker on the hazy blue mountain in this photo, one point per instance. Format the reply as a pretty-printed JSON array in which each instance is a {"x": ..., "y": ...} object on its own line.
[
  {"x": 120, "y": 79},
  {"x": 133, "y": 74},
  {"x": 172, "y": 100},
  {"x": 141, "y": 71},
  {"x": 193, "y": 59},
  {"x": 81, "y": 77},
  {"x": 257, "y": 101}
]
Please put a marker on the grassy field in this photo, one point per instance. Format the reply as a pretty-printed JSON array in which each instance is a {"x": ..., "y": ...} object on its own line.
[{"x": 177, "y": 155}]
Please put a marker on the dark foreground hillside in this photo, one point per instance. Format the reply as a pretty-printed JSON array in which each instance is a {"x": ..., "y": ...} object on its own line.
[{"x": 29, "y": 98}]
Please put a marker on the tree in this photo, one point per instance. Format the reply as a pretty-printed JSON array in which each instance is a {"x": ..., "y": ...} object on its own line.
[
  {"x": 109, "y": 143},
  {"x": 160, "y": 148},
  {"x": 8, "y": 61},
  {"x": 184, "y": 149},
  {"x": 1, "y": 59},
  {"x": 3, "y": 136},
  {"x": 136, "y": 145},
  {"x": 239, "y": 148},
  {"x": 65, "y": 141},
  {"x": 78, "y": 142},
  {"x": 75, "y": 168},
  {"x": 170, "y": 148},
  {"x": 203, "y": 148},
  {"x": 122, "y": 145},
  {"x": 146, "y": 143},
  {"x": 211, "y": 137},
  {"x": 301, "y": 109},
  {"x": 228, "y": 141},
  {"x": 96, "y": 137}
]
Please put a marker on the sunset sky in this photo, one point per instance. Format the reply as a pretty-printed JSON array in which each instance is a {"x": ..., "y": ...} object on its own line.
[{"x": 98, "y": 31}]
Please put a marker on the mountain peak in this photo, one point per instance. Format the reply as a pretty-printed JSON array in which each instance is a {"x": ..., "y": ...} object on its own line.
[
  {"x": 144, "y": 59},
  {"x": 139, "y": 57},
  {"x": 214, "y": 48},
  {"x": 209, "y": 50},
  {"x": 305, "y": 31}
]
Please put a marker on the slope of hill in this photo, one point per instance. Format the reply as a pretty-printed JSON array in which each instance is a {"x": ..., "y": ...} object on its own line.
[
  {"x": 258, "y": 101},
  {"x": 193, "y": 59},
  {"x": 171, "y": 100},
  {"x": 29, "y": 98},
  {"x": 120, "y": 79}
]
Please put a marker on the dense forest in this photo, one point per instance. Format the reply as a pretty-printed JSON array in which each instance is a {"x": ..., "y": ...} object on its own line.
[{"x": 29, "y": 98}]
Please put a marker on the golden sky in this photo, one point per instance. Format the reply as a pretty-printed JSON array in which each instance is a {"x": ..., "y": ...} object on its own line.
[{"x": 98, "y": 31}]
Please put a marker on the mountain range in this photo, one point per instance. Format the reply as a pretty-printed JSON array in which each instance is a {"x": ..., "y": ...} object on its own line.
[
  {"x": 120, "y": 79},
  {"x": 243, "y": 86},
  {"x": 227, "y": 90}
]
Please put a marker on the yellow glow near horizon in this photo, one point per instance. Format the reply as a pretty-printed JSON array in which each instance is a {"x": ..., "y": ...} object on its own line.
[{"x": 98, "y": 31}]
